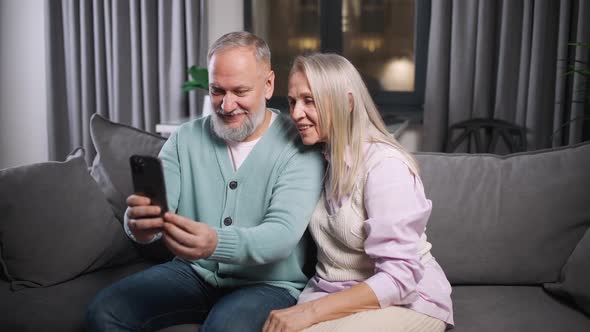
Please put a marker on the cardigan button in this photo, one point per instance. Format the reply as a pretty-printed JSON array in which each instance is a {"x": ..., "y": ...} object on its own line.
[
  {"x": 233, "y": 185},
  {"x": 227, "y": 221}
]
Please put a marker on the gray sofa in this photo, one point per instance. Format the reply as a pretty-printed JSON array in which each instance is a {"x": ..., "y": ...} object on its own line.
[{"x": 510, "y": 232}]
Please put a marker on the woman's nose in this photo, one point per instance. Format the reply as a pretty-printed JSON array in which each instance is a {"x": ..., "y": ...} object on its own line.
[{"x": 296, "y": 112}]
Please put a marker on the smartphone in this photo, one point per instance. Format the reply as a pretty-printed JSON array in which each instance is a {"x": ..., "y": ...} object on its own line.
[{"x": 148, "y": 179}]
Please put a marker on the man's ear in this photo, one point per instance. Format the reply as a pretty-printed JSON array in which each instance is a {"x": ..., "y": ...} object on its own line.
[
  {"x": 350, "y": 102},
  {"x": 269, "y": 85}
]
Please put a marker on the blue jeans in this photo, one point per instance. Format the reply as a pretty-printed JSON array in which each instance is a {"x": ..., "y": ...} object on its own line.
[{"x": 172, "y": 293}]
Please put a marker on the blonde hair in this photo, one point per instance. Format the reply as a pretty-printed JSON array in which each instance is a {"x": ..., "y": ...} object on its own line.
[{"x": 335, "y": 84}]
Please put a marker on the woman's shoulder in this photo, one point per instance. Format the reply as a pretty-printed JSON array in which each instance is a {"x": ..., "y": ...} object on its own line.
[
  {"x": 386, "y": 163},
  {"x": 379, "y": 153}
]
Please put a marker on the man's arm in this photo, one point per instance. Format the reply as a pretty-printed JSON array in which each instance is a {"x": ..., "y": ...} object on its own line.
[{"x": 171, "y": 166}]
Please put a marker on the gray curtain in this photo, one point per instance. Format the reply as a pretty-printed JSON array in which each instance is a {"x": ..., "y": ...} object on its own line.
[
  {"x": 506, "y": 60},
  {"x": 123, "y": 59}
]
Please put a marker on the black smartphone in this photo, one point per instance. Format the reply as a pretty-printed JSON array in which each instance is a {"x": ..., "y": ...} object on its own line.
[{"x": 148, "y": 179}]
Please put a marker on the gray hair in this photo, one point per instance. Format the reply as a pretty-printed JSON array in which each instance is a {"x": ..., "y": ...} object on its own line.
[{"x": 241, "y": 39}]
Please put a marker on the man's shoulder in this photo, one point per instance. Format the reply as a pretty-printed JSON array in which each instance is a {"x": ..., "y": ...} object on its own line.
[
  {"x": 198, "y": 124},
  {"x": 193, "y": 128}
]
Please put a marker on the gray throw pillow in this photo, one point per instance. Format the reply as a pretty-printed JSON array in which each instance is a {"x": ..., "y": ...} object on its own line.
[
  {"x": 55, "y": 224},
  {"x": 574, "y": 284},
  {"x": 114, "y": 144},
  {"x": 511, "y": 219}
]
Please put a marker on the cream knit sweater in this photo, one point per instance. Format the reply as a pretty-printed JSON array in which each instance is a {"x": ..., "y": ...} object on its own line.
[{"x": 340, "y": 237}]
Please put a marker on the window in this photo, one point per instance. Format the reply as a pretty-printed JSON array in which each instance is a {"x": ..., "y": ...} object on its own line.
[{"x": 385, "y": 39}]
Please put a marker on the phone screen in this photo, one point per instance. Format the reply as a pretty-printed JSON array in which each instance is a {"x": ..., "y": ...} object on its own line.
[{"x": 148, "y": 179}]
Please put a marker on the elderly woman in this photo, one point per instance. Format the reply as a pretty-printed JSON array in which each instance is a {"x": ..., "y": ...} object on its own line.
[{"x": 374, "y": 271}]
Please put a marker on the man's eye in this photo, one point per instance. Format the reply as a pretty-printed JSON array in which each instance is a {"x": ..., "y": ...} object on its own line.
[{"x": 215, "y": 91}]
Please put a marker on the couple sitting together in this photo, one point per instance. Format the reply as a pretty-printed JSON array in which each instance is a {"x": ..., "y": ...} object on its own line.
[{"x": 244, "y": 185}]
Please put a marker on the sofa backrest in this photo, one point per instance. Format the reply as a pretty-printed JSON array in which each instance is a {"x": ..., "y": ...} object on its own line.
[{"x": 507, "y": 219}]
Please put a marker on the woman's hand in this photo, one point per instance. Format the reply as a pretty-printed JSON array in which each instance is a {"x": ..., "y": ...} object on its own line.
[
  {"x": 357, "y": 298},
  {"x": 295, "y": 318}
]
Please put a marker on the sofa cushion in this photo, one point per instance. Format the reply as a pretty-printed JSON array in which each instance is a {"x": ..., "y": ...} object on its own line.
[
  {"x": 56, "y": 224},
  {"x": 511, "y": 219},
  {"x": 114, "y": 144},
  {"x": 574, "y": 284},
  {"x": 513, "y": 308},
  {"x": 61, "y": 307}
]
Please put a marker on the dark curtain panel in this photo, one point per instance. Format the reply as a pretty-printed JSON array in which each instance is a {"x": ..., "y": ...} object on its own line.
[
  {"x": 507, "y": 60},
  {"x": 124, "y": 59}
]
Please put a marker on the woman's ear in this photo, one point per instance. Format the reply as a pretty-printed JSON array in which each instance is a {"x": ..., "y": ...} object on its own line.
[{"x": 350, "y": 102}]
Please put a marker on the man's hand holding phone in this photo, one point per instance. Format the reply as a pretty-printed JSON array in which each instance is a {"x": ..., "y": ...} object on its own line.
[
  {"x": 148, "y": 214},
  {"x": 145, "y": 220},
  {"x": 188, "y": 239},
  {"x": 184, "y": 237},
  {"x": 148, "y": 203}
]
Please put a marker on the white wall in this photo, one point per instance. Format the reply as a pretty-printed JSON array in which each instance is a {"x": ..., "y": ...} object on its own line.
[
  {"x": 224, "y": 16},
  {"x": 23, "y": 111},
  {"x": 411, "y": 138}
]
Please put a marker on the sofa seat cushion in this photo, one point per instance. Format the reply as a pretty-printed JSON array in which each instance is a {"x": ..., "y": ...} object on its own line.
[
  {"x": 513, "y": 308},
  {"x": 61, "y": 307}
]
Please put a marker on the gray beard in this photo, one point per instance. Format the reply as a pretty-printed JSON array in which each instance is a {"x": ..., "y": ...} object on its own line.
[{"x": 239, "y": 134}]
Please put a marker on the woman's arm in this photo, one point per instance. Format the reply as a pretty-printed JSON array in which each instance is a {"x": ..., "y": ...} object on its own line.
[
  {"x": 397, "y": 213},
  {"x": 333, "y": 306}
]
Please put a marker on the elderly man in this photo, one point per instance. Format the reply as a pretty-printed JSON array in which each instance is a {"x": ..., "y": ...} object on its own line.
[{"x": 243, "y": 188}]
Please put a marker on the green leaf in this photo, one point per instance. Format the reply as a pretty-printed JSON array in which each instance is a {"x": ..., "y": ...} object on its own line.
[
  {"x": 199, "y": 79},
  {"x": 199, "y": 74},
  {"x": 579, "y": 70},
  {"x": 188, "y": 86},
  {"x": 579, "y": 44}
]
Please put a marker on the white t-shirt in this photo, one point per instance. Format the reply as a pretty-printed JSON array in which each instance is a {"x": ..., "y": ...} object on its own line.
[{"x": 239, "y": 151}]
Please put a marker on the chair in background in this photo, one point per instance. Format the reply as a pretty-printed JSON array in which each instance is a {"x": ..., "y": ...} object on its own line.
[{"x": 486, "y": 133}]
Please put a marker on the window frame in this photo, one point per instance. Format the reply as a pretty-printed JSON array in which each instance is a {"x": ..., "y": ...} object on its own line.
[{"x": 390, "y": 103}]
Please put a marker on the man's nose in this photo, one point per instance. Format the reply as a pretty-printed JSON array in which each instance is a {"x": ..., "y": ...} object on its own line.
[{"x": 228, "y": 103}]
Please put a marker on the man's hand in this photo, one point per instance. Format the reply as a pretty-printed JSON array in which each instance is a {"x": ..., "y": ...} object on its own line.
[
  {"x": 144, "y": 219},
  {"x": 295, "y": 318},
  {"x": 188, "y": 239}
]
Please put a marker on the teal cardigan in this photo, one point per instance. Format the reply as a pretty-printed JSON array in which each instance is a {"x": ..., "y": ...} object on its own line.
[{"x": 262, "y": 216}]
